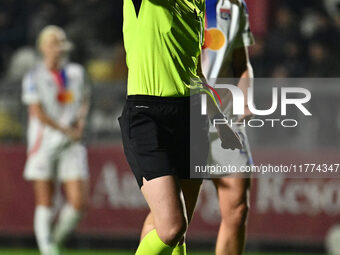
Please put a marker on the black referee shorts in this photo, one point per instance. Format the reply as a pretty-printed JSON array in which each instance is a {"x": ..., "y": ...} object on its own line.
[{"x": 158, "y": 137}]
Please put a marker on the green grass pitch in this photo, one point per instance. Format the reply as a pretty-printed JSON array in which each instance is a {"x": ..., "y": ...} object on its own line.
[{"x": 94, "y": 252}]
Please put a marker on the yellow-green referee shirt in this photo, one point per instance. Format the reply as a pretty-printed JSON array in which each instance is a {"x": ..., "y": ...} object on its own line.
[{"x": 163, "y": 40}]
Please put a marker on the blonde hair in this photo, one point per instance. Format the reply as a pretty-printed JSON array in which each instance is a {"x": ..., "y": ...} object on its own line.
[{"x": 53, "y": 30}]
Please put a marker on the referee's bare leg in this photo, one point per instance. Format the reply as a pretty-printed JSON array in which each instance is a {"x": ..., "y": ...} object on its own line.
[{"x": 189, "y": 191}]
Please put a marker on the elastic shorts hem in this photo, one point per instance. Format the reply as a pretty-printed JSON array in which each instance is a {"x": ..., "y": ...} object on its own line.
[
  {"x": 150, "y": 177},
  {"x": 153, "y": 176}
]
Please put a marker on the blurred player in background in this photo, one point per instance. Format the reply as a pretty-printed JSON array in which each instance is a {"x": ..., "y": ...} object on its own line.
[
  {"x": 57, "y": 95},
  {"x": 163, "y": 42},
  {"x": 227, "y": 38}
]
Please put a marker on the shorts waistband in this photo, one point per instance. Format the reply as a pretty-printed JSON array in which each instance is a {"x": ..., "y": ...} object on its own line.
[{"x": 158, "y": 99}]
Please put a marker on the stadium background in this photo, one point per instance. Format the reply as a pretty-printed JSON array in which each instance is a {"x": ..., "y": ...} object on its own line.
[{"x": 294, "y": 39}]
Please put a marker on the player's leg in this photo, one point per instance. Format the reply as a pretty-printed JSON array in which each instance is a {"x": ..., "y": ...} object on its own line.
[
  {"x": 165, "y": 199},
  {"x": 73, "y": 173},
  {"x": 72, "y": 211},
  {"x": 233, "y": 195},
  {"x": 43, "y": 215}
]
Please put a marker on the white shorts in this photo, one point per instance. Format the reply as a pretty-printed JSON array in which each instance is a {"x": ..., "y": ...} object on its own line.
[
  {"x": 68, "y": 164},
  {"x": 233, "y": 158}
]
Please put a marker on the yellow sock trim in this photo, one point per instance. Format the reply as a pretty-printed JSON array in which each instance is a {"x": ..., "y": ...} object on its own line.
[
  {"x": 153, "y": 245},
  {"x": 180, "y": 250}
]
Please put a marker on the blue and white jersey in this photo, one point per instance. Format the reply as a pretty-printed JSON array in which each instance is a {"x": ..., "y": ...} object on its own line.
[{"x": 232, "y": 19}]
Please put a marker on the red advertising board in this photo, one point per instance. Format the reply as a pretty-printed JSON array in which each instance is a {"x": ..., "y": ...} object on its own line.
[
  {"x": 281, "y": 209},
  {"x": 258, "y": 16}
]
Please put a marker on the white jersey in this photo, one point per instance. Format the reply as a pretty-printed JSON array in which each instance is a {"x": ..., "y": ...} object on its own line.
[
  {"x": 232, "y": 20},
  {"x": 41, "y": 86}
]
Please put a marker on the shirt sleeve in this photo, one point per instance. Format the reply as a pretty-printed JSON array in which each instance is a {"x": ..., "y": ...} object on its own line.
[
  {"x": 30, "y": 93},
  {"x": 245, "y": 37}
]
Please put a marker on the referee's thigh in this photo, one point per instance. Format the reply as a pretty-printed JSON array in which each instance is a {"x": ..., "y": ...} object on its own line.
[{"x": 165, "y": 199}]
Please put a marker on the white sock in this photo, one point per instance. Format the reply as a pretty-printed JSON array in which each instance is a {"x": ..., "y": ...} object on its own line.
[
  {"x": 43, "y": 217},
  {"x": 67, "y": 222}
]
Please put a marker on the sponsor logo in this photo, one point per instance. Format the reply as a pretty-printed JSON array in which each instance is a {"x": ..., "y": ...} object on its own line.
[
  {"x": 214, "y": 39},
  {"x": 225, "y": 14}
]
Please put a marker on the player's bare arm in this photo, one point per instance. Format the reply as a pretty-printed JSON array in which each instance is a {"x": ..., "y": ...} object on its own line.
[
  {"x": 37, "y": 111},
  {"x": 229, "y": 138},
  {"x": 242, "y": 68}
]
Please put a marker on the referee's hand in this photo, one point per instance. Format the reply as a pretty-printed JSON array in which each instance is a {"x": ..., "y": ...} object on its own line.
[{"x": 230, "y": 139}]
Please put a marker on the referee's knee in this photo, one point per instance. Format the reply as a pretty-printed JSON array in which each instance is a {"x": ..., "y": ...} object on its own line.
[{"x": 172, "y": 230}]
